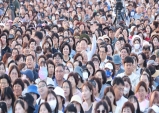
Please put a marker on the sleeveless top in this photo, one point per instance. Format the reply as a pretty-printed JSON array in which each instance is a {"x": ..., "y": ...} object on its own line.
[{"x": 90, "y": 110}]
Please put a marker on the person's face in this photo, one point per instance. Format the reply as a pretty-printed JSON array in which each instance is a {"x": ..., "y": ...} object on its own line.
[
  {"x": 147, "y": 53},
  {"x": 118, "y": 90},
  {"x": 79, "y": 58},
  {"x": 142, "y": 93},
  {"x": 66, "y": 89},
  {"x": 17, "y": 90},
  {"x": 57, "y": 60},
  {"x": 3, "y": 83},
  {"x": 127, "y": 110},
  {"x": 72, "y": 80},
  {"x": 32, "y": 46},
  {"x": 124, "y": 53},
  {"x": 29, "y": 62},
  {"x": 155, "y": 42},
  {"x": 141, "y": 60},
  {"x": 3, "y": 38},
  {"x": 55, "y": 40},
  {"x": 8, "y": 102},
  {"x": 109, "y": 50},
  {"x": 102, "y": 53},
  {"x": 86, "y": 93},
  {"x": 99, "y": 75},
  {"x": 21, "y": 60},
  {"x": 148, "y": 29},
  {"x": 19, "y": 40},
  {"x": 13, "y": 75},
  {"x": 111, "y": 96},
  {"x": 128, "y": 68},
  {"x": 2, "y": 69},
  {"x": 66, "y": 50},
  {"x": 59, "y": 73},
  {"x": 101, "y": 109},
  {"x": 145, "y": 79},
  {"x": 83, "y": 45},
  {"x": 19, "y": 108},
  {"x": 50, "y": 97},
  {"x": 96, "y": 64},
  {"x": 50, "y": 69},
  {"x": 85, "y": 57},
  {"x": 90, "y": 69},
  {"x": 111, "y": 34},
  {"x": 43, "y": 109},
  {"x": 42, "y": 88}
]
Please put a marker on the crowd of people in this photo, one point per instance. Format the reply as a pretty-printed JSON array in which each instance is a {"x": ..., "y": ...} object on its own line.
[{"x": 79, "y": 56}]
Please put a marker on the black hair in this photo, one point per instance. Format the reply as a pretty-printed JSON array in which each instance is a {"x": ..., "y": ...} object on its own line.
[
  {"x": 47, "y": 107},
  {"x": 3, "y": 107},
  {"x": 39, "y": 35},
  {"x": 128, "y": 59},
  {"x": 70, "y": 108},
  {"x": 63, "y": 45},
  {"x": 144, "y": 58},
  {"x": 118, "y": 81},
  {"x": 102, "y": 102},
  {"x": 138, "y": 107},
  {"x": 8, "y": 92},
  {"x": 92, "y": 65},
  {"x": 106, "y": 50},
  {"x": 5, "y": 76},
  {"x": 20, "y": 82},
  {"x": 103, "y": 75},
  {"x": 58, "y": 54},
  {"x": 31, "y": 56}
]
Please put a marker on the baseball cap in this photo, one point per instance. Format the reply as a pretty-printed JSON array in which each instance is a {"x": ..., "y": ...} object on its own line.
[{"x": 109, "y": 66}]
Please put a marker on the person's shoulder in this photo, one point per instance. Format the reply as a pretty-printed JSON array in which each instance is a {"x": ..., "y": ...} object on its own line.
[{"x": 120, "y": 75}]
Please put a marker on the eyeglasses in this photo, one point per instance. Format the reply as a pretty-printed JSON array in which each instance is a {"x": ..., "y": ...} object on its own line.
[
  {"x": 60, "y": 71},
  {"x": 100, "y": 111}
]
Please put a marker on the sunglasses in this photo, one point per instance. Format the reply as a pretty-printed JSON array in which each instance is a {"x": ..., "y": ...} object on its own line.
[{"x": 100, "y": 111}]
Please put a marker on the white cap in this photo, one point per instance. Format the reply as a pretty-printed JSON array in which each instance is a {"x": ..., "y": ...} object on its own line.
[
  {"x": 109, "y": 66},
  {"x": 76, "y": 98},
  {"x": 59, "y": 91}
]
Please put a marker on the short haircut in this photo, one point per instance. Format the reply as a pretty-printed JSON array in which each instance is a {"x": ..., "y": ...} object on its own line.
[
  {"x": 61, "y": 65},
  {"x": 39, "y": 35},
  {"x": 105, "y": 47},
  {"x": 20, "y": 82},
  {"x": 58, "y": 54},
  {"x": 118, "y": 81},
  {"x": 31, "y": 56},
  {"x": 128, "y": 59}
]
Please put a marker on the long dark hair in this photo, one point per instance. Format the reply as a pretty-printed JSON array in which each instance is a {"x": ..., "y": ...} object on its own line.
[
  {"x": 101, "y": 103},
  {"x": 47, "y": 107},
  {"x": 138, "y": 107},
  {"x": 71, "y": 93},
  {"x": 57, "y": 105},
  {"x": 8, "y": 92}
]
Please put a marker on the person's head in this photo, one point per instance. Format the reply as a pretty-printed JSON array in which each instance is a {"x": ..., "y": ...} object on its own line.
[
  {"x": 142, "y": 60},
  {"x": 73, "y": 78},
  {"x": 5, "y": 81},
  {"x": 127, "y": 83},
  {"x": 67, "y": 87},
  {"x": 90, "y": 67},
  {"x": 141, "y": 90},
  {"x": 30, "y": 60},
  {"x": 19, "y": 106},
  {"x": 8, "y": 96},
  {"x": 118, "y": 87},
  {"x": 146, "y": 78},
  {"x": 83, "y": 44},
  {"x": 65, "y": 48},
  {"x": 109, "y": 92},
  {"x": 32, "y": 44},
  {"x": 59, "y": 72},
  {"x": 96, "y": 83},
  {"x": 103, "y": 52},
  {"x": 60, "y": 95},
  {"x": 101, "y": 107},
  {"x": 57, "y": 58},
  {"x": 42, "y": 88},
  {"x": 50, "y": 68},
  {"x": 3, "y": 107},
  {"x": 146, "y": 50},
  {"x": 110, "y": 69},
  {"x": 154, "y": 98},
  {"x": 128, "y": 107},
  {"x": 101, "y": 75},
  {"x": 14, "y": 73},
  {"x": 52, "y": 100},
  {"x": 44, "y": 108},
  {"x": 87, "y": 92},
  {"x": 128, "y": 65},
  {"x": 2, "y": 68},
  {"x": 70, "y": 108},
  {"x": 135, "y": 102},
  {"x": 18, "y": 87},
  {"x": 124, "y": 52}
]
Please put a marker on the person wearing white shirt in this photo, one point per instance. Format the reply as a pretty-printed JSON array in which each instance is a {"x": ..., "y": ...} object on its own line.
[
  {"x": 118, "y": 87},
  {"x": 128, "y": 66}
]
